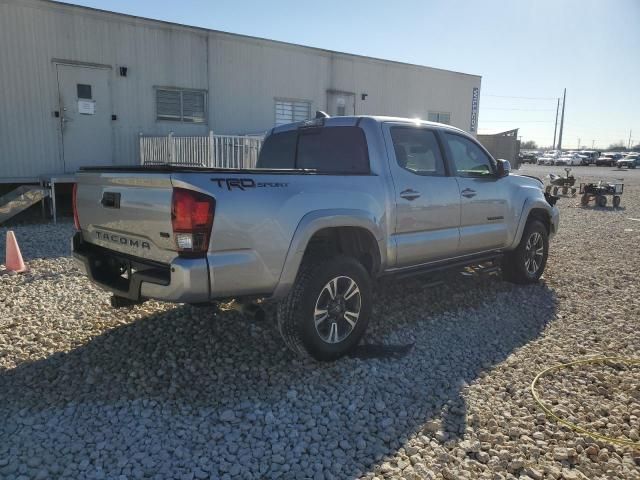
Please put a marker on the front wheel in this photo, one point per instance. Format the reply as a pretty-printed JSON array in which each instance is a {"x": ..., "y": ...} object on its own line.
[
  {"x": 526, "y": 263},
  {"x": 616, "y": 201},
  {"x": 327, "y": 311}
]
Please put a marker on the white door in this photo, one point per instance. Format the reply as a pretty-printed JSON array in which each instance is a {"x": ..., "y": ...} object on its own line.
[
  {"x": 340, "y": 104},
  {"x": 85, "y": 116}
]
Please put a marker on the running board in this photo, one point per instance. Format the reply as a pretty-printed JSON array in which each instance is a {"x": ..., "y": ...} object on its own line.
[
  {"x": 20, "y": 199},
  {"x": 446, "y": 265}
]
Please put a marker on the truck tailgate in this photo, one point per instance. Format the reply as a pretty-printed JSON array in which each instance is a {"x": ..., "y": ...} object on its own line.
[{"x": 127, "y": 212}]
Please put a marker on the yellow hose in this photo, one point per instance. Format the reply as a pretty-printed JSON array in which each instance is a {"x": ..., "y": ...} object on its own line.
[{"x": 573, "y": 426}]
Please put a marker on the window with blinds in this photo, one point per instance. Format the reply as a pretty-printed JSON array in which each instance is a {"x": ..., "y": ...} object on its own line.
[
  {"x": 290, "y": 111},
  {"x": 181, "y": 105},
  {"x": 440, "y": 117}
]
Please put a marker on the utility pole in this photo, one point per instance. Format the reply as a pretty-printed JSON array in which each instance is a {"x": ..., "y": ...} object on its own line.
[
  {"x": 592, "y": 142},
  {"x": 578, "y": 143},
  {"x": 629, "y": 142},
  {"x": 564, "y": 101},
  {"x": 555, "y": 128}
]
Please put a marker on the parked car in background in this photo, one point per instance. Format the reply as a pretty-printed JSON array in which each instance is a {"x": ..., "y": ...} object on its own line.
[
  {"x": 608, "y": 159},
  {"x": 528, "y": 157},
  {"x": 590, "y": 156},
  {"x": 630, "y": 161},
  {"x": 547, "y": 159},
  {"x": 572, "y": 159}
]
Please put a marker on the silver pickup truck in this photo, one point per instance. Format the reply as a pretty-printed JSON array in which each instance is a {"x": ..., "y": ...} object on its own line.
[{"x": 333, "y": 204}]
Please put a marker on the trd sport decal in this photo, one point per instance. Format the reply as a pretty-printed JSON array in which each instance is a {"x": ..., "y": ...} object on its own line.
[{"x": 244, "y": 183}]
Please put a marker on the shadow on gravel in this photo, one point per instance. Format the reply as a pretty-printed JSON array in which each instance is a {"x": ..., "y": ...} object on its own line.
[{"x": 227, "y": 388}]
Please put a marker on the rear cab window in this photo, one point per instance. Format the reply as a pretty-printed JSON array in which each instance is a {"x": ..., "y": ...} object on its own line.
[{"x": 339, "y": 150}]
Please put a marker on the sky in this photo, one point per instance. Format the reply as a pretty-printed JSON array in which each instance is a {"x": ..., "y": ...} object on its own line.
[{"x": 527, "y": 52}]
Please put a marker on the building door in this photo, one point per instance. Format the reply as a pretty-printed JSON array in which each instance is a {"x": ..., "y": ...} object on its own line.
[
  {"x": 85, "y": 116},
  {"x": 340, "y": 104}
]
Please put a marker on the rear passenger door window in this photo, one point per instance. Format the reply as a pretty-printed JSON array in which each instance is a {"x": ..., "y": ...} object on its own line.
[
  {"x": 468, "y": 159},
  {"x": 417, "y": 150}
]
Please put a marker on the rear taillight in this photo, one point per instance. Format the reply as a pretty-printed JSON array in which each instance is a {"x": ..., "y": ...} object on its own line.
[
  {"x": 192, "y": 220},
  {"x": 74, "y": 200}
]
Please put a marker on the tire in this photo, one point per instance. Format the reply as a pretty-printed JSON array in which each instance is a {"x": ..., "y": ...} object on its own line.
[
  {"x": 565, "y": 190},
  {"x": 584, "y": 201},
  {"x": 601, "y": 200},
  {"x": 330, "y": 334},
  {"x": 616, "y": 201},
  {"x": 573, "y": 192},
  {"x": 555, "y": 191},
  {"x": 517, "y": 266},
  {"x": 548, "y": 189}
]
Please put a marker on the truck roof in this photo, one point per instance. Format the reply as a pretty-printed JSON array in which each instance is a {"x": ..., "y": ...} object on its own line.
[{"x": 353, "y": 120}]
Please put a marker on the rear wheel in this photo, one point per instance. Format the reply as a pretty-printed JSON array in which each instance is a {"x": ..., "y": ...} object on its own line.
[
  {"x": 555, "y": 190},
  {"x": 616, "y": 201},
  {"x": 565, "y": 190},
  {"x": 328, "y": 309},
  {"x": 526, "y": 263},
  {"x": 601, "y": 200}
]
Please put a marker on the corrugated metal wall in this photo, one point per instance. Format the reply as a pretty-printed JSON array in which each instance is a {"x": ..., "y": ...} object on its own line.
[{"x": 242, "y": 75}]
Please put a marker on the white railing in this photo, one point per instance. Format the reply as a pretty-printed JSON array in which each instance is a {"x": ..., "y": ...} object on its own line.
[{"x": 226, "y": 151}]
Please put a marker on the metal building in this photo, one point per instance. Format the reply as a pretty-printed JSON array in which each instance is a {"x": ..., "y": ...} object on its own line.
[
  {"x": 79, "y": 86},
  {"x": 503, "y": 145}
]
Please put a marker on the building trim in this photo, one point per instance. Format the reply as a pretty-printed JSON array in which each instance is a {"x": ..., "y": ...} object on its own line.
[{"x": 136, "y": 20}]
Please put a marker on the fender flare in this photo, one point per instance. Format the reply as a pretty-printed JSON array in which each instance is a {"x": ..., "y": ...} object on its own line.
[
  {"x": 318, "y": 220},
  {"x": 529, "y": 205}
]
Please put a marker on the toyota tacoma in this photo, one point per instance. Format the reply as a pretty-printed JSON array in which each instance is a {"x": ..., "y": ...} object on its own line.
[{"x": 332, "y": 205}]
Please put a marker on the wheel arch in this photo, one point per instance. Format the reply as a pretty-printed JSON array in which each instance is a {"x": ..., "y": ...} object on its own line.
[
  {"x": 538, "y": 210},
  {"x": 344, "y": 231}
]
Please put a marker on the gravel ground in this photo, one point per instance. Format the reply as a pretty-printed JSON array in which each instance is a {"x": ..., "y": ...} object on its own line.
[{"x": 164, "y": 391}]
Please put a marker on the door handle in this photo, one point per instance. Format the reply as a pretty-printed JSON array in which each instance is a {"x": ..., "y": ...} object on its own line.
[
  {"x": 409, "y": 194},
  {"x": 468, "y": 193}
]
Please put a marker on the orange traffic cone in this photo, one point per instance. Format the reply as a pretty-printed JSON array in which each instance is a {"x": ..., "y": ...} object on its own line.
[{"x": 13, "y": 261}]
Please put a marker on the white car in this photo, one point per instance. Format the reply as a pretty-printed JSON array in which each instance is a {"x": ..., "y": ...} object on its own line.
[
  {"x": 572, "y": 159},
  {"x": 547, "y": 159}
]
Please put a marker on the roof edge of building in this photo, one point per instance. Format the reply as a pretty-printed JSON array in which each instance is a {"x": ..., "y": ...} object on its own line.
[{"x": 56, "y": 3}]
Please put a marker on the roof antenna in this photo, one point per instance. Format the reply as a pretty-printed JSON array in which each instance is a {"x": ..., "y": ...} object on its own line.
[{"x": 321, "y": 114}]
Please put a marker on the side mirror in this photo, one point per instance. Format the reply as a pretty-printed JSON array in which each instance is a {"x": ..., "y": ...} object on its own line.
[{"x": 504, "y": 168}]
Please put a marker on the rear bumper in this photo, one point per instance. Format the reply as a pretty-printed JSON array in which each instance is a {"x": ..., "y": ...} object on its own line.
[{"x": 184, "y": 280}]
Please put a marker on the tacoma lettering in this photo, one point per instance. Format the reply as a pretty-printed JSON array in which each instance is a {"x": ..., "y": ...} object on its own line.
[{"x": 111, "y": 237}]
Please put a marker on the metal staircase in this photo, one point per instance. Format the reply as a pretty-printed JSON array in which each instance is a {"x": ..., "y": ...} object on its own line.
[{"x": 20, "y": 199}]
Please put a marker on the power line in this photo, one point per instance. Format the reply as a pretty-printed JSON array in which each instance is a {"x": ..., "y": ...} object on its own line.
[
  {"x": 525, "y": 98},
  {"x": 515, "y": 121},
  {"x": 521, "y": 109}
]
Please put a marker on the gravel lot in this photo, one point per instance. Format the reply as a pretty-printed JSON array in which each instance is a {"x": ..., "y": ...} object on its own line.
[{"x": 164, "y": 391}]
